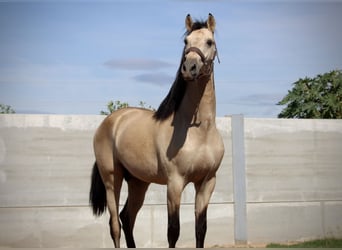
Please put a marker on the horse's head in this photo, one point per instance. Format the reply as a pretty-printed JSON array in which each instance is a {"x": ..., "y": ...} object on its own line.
[{"x": 200, "y": 48}]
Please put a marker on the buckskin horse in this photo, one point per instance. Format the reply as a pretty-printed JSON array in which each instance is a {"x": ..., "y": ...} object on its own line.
[{"x": 175, "y": 145}]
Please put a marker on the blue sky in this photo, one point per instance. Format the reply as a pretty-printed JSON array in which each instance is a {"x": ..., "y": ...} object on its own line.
[{"x": 72, "y": 57}]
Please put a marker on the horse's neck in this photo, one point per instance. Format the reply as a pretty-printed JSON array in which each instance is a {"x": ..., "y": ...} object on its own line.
[{"x": 199, "y": 103}]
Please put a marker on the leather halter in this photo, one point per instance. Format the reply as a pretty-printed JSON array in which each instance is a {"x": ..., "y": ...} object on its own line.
[
  {"x": 197, "y": 51},
  {"x": 207, "y": 63}
]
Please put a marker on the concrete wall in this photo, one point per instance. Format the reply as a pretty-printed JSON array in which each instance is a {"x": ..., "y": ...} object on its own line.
[
  {"x": 293, "y": 185},
  {"x": 287, "y": 179},
  {"x": 294, "y": 179}
]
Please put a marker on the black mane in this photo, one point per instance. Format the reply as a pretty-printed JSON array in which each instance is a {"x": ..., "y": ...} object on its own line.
[{"x": 172, "y": 101}]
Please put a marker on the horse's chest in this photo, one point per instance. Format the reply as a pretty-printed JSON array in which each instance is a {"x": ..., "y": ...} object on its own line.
[{"x": 200, "y": 155}]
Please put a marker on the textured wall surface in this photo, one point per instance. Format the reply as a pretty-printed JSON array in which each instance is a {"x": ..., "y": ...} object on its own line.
[{"x": 293, "y": 185}]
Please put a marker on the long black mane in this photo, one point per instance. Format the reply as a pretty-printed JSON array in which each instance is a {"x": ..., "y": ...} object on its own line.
[{"x": 172, "y": 101}]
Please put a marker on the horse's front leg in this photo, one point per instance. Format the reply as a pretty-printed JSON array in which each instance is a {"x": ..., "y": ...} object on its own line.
[
  {"x": 204, "y": 189},
  {"x": 175, "y": 187}
]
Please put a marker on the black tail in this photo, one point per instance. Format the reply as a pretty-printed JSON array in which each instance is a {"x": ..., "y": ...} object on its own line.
[{"x": 97, "y": 195}]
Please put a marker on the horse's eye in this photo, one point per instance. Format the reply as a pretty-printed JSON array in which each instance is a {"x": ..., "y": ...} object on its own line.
[{"x": 210, "y": 42}]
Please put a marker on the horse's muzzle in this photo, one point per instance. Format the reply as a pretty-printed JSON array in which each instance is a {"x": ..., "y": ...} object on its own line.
[
  {"x": 192, "y": 64},
  {"x": 195, "y": 65}
]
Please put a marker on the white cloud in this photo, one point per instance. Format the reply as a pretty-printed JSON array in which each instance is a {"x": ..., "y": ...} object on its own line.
[
  {"x": 159, "y": 78},
  {"x": 137, "y": 64}
]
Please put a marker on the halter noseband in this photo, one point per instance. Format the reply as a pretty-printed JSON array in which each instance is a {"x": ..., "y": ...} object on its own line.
[
  {"x": 197, "y": 51},
  {"x": 208, "y": 63}
]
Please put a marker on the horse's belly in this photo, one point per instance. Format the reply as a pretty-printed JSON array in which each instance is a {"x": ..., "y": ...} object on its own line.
[
  {"x": 145, "y": 170},
  {"x": 136, "y": 151}
]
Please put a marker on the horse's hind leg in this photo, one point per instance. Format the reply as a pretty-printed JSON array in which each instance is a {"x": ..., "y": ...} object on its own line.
[
  {"x": 136, "y": 196},
  {"x": 114, "y": 223},
  {"x": 113, "y": 182}
]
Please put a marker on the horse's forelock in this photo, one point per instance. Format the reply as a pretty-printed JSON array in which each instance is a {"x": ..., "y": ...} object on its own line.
[{"x": 198, "y": 24}]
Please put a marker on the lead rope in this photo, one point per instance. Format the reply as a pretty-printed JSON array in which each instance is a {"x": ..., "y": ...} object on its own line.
[{"x": 216, "y": 54}]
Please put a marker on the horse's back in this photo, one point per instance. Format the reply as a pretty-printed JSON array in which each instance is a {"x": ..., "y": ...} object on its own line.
[{"x": 111, "y": 124}]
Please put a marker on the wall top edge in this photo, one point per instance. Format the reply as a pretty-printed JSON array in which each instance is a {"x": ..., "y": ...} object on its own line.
[
  {"x": 64, "y": 122},
  {"x": 90, "y": 122}
]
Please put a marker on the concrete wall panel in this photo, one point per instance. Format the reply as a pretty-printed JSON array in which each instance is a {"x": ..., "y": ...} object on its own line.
[
  {"x": 332, "y": 219},
  {"x": 52, "y": 227},
  {"x": 293, "y": 173},
  {"x": 293, "y": 160},
  {"x": 284, "y": 222}
]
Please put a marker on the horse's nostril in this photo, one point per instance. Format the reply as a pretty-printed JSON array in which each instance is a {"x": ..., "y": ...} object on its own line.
[
  {"x": 184, "y": 68},
  {"x": 193, "y": 68}
]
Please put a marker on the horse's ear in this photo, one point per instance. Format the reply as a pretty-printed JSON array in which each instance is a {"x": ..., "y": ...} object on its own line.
[
  {"x": 211, "y": 23},
  {"x": 188, "y": 22}
]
